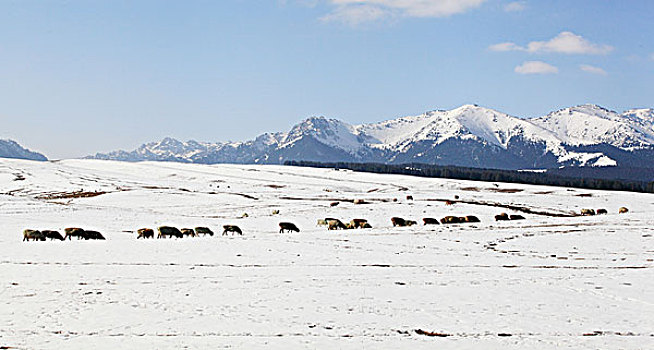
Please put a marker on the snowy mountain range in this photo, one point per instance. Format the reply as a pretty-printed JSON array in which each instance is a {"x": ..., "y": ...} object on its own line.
[
  {"x": 472, "y": 136},
  {"x": 11, "y": 149}
]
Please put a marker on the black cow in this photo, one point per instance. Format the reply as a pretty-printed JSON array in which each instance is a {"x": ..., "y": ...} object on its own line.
[
  {"x": 169, "y": 231},
  {"x": 233, "y": 229},
  {"x": 52, "y": 235},
  {"x": 288, "y": 226}
]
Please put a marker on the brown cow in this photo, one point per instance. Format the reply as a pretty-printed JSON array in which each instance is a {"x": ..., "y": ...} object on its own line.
[
  {"x": 145, "y": 233},
  {"x": 335, "y": 224},
  {"x": 502, "y": 217},
  {"x": 73, "y": 232},
  {"x": 188, "y": 232},
  {"x": 360, "y": 223},
  {"x": 288, "y": 227},
  {"x": 601, "y": 212},
  {"x": 623, "y": 210},
  {"x": 516, "y": 217},
  {"x": 34, "y": 235},
  {"x": 451, "y": 220},
  {"x": 587, "y": 212}
]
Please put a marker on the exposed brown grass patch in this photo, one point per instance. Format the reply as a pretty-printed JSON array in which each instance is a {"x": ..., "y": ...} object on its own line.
[
  {"x": 70, "y": 195},
  {"x": 275, "y": 186}
]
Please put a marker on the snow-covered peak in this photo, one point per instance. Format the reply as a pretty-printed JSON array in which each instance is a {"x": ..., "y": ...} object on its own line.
[
  {"x": 468, "y": 121},
  {"x": 590, "y": 124},
  {"x": 641, "y": 115},
  {"x": 331, "y": 132}
]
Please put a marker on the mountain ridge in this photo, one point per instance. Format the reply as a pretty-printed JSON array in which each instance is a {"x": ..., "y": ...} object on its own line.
[
  {"x": 11, "y": 149},
  {"x": 470, "y": 135}
]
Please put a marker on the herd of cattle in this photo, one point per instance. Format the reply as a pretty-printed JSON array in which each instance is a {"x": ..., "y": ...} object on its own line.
[
  {"x": 70, "y": 232},
  {"x": 331, "y": 223},
  {"x": 591, "y": 212}
]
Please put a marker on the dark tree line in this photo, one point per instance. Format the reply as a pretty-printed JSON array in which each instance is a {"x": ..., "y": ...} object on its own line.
[{"x": 487, "y": 175}]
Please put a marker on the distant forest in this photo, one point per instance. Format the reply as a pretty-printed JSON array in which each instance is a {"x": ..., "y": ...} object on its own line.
[{"x": 611, "y": 178}]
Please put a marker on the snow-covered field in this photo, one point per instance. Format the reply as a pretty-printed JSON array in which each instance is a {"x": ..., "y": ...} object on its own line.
[{"x": 545, "y": 282}]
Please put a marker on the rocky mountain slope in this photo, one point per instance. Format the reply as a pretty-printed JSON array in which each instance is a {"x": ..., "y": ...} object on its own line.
[{"x": 11, "y": 149}]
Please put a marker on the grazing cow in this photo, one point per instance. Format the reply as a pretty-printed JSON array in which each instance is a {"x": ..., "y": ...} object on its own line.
[
  {"x": 449, "y": 203},
  {"x": 145, "y": 233},
  {"x": 275, "y": 212},
  {"x": 602, "y": 212},
  {"x": 169, "y": 231},
  {"x": 472, "y": 218},
  {"x": 409, "y": 198},
  {"x": 502, "y": 217},
  {"x": 398, "y": 221},
  {"x": 451, "y": 220},
  {"x": 587, "y": 212},
  {"x": 288, "y": 227},
  {"x": 52, "y": 235},
  {"x": 203, "y": 231},
  {"x": 335, "y": 224},
  {"x": 430, "y": 221},
  {"x": 411, "y": 223},
  {"x": 33, "y": 235},
  {"x": 188, "y": 232},
  {"x": 360, "y": 223},
  {"x": 233, "y": 229},
  {"x": 623, "y": 210},
  {"x": 73, "y": 232},
  {"x": 93, "y": 235},
  {"x": 333, "y": 204},
  {"x": 359, "y": 201},
  {"x": 516, "y": 217}
]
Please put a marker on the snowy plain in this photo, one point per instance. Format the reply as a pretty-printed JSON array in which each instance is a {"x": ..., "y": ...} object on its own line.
[{"x": 547, "y": 282}]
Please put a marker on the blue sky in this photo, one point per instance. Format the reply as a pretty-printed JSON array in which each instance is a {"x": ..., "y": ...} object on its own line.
[{"x": 79, "y": 77}]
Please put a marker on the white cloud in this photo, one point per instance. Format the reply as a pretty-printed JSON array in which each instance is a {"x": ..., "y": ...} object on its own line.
[
  {"x": 505, "y": 47},
  {"x": 358, "y": 11},
  {"x": 536, "y": 67},
  {"x": 515, "y": 6},
  {"x": 592, "y": 69},
  {"x": 565, "y": 42},
  {"x": 354, "y": 15}
]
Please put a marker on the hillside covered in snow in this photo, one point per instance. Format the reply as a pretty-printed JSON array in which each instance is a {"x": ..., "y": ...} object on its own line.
[
  {"x": 555, "y": 280},
  {"x": 470, "y": 136}
]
